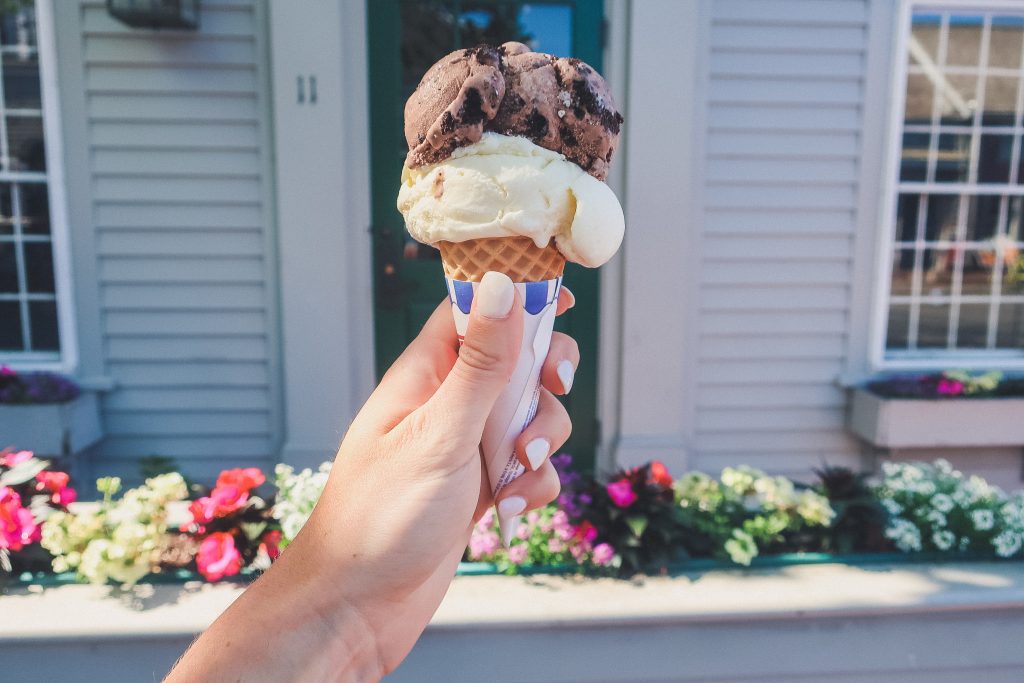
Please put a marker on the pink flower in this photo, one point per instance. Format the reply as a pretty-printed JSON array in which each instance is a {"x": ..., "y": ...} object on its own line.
[
  {"x": 556, "y": 545},
  {"x": 950, "y": 387},
  {"x": 221, "y": 502},
  {"x": 603, "y": 554},
  {"x": 585, "y": 532},
  {"x": 15, "y": 458},
  {"x": 483, "y": 544},
  {"x": 621, "y": 492},
  {"x": 18, "y": 527},
  {"x": 7, "y": 372},
  {"x": 524, "y": 531},
  {"x": 517, "y": 553},
  {"x": 56, "y": 483},
  {"x": 218, "y": 557},
  {"x": 243, "y": 479}
]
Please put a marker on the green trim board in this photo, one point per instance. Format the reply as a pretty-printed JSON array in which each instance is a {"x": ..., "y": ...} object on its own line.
[{"x": 408, "y": 280}]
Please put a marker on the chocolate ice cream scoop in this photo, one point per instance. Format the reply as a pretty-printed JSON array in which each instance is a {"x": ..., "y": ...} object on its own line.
[{"x": 561, "y": 104}]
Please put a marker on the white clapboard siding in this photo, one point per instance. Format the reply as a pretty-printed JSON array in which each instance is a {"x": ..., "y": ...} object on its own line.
[
  {"x": 780, "y": 186},
  {"x": 177, "y": 132}
]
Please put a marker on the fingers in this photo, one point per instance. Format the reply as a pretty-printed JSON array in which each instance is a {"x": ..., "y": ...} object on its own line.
[
  {"x": 566, "y": 300},
  {"x": 559, "y": 369},
  {"x": 486, "y": 359},
  {"x": 528, "y": 492},
  {"x": 548, "y": 431}
]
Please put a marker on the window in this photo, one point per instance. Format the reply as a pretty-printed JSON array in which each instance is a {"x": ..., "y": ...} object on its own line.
[
  {"x": 31, "y": 257},
  {"x": 955, "y": 285}
]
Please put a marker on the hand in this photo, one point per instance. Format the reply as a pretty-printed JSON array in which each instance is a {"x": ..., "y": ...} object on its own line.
[{"x": 408, "y": 484}]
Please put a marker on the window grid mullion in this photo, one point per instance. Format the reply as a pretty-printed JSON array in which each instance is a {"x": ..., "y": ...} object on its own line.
[
  {"x": 997, "y": 275},
  {"x": 917, "y": 274},
  {"x": 933, "y": 138},
  {"x": 19, "y": 260},
  {"x": 956, "y": 286}
]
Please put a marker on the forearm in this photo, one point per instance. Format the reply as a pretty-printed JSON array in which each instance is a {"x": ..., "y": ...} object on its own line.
[{"x": 287, "y": 626}]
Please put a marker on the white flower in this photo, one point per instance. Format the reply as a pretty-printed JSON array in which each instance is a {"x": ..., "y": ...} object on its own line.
[
  {"x": 925, "y": 488},
  {"x": 891, "y": 506},
  {"x": 904, "y": 534},
  {"x": 983, "y": 519},
  {"x": 945, "y": 467},
  {"x": 942, "y": 502},
  {"x": 944, "y": 539},
  {"x": 936, "y": 518},
  {"x": 1007, "y": 544}
]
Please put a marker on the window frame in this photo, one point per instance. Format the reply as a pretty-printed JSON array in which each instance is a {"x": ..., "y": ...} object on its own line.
[
  {"x": 65, "y": 360},
  {"x": 921, "y": 359}
]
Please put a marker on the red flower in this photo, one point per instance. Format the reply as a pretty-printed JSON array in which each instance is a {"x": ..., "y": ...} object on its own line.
[
  {"x": 222, "y": 501},
  {"x": 244, "y": 479},
  {"x": 271, "y": 544},
  {"x": 18, "y": 527},
  {"x": 621, "y": 492},
  {"x": 218, "y": 557},
  {"x": 585, "y": 532},
  {"x": 660, "y": 475},
  {"x": 57, "y": 484}
]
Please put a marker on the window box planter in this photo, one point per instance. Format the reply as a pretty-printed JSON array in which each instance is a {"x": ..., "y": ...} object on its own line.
[
  {"x": 936, "y": 423},
  {"x": 51, "y": 429}
]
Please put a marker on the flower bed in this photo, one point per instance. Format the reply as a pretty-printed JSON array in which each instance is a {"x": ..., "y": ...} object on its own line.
[{"x": 638, "y": 520}]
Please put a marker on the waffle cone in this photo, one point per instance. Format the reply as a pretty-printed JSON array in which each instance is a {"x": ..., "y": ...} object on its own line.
[{"x": 517, "y": 257}]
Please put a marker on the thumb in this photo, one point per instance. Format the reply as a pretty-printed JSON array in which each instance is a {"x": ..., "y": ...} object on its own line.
[{"x": 486, "y": 359}]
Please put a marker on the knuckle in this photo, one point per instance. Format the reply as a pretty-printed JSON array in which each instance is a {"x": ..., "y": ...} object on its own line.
[{"x": 481, "y": 359}]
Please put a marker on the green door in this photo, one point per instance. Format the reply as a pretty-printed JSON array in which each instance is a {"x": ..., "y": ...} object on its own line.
[{"x": 405, "y": 38}]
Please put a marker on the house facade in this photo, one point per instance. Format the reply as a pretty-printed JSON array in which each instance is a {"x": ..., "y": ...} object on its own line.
[{"x": 816, "y": 192}]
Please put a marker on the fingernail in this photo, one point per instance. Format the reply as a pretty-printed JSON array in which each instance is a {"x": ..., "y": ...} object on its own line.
[
  {"x": 565, "y": 371},
  {"x": 571, "y": 296},
  {"x": 536, "y": 451},
  {"x": 495, "y": 295},
  {"x": 509, "y": 511}
]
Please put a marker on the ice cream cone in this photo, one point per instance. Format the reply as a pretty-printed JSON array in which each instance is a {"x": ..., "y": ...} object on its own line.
[{"x": 517, "y": 257}]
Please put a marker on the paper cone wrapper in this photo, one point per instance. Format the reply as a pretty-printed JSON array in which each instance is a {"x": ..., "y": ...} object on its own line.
[{"x": 517, "y": 405}]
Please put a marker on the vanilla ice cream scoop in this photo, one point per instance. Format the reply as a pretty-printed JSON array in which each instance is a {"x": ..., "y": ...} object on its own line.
[{"x": 506, "y": 186}]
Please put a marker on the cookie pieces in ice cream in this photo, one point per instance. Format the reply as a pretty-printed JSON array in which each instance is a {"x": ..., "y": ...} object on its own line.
[{"x": 561, "y": 104}]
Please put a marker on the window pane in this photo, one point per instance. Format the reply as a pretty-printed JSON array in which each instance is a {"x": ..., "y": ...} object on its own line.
[
  {"x": 1005, "y": 42},
  {"x": 39, "y": 267},
  {"x": 918, "y": 107},
  {"x": 17, "y": 23},
  {"x": 8, "y": 269},
  {"x": 25, "y": 138},
  {"x": 10, "y": 331},
  {"x": 906, "y": 217},
  {"x": 943, "y": 213},
  {"x": 958, "y": 100},
  {"x": 21, "y": 81},
  {"x": 939, "y": 265},
  {"x": 902, "y": 271},
  {"x": 972, "y": 328},
  {"x": 1010, "y": 332},
  {"x": 964, "y": 43},
  {"x": 925, "y": 33},
  {"x": 6, "y": 215},
  {"x": 35, "y": 209},
  {"x": 1013, "y": 227},
  {"x": 896, "y": 333},
  {"x": 977, "y": 275},
  {"x": 983, "y": 217},
  {"x": 914, "y": 164},
  {"x": 43, "y": 315},
  {"x": 994, "y": 159},
  {"x": 1000, "y": 101},
  {"x": 933, "y": 328},
  {"x": 954, "y": 158}
]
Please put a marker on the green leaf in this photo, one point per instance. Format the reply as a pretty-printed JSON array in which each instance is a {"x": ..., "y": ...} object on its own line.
[{"x": 637, "y": 525}]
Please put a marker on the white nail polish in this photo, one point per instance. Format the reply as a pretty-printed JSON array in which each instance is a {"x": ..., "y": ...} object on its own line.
[
  {"x": 495, "y": 295},
  {"x": 565, "y": 372},
  {"x": 537, "y": 451},
  {"x": 509, "y": 511}
]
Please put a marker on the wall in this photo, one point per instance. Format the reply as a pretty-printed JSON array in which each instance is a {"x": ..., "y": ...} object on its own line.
[{"x": 168, "y": 149}]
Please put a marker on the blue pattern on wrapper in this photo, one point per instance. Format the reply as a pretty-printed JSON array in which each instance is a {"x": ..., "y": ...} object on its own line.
[
  {"x": 536, "y": 297},
  {"x": 463, "y": 295}
]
